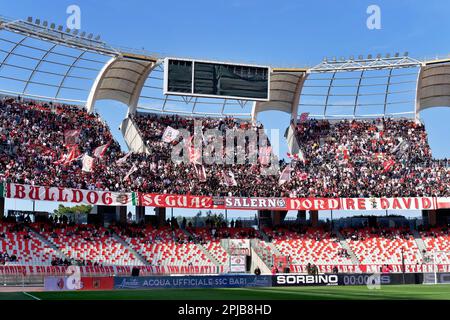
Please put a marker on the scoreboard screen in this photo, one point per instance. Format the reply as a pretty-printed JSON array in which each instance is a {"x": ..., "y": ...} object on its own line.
[{"x": 216, "y": 80}]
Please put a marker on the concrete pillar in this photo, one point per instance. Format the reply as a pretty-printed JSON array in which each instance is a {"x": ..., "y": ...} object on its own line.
[
  {"x": 160, "y": 216},
  {"x": 301, "y": 215},
  {"x": 276, "y": 219},
  {"x": 264, "y": 218},
  {"x": 140, "y": 214},
  {"x": 121, "y": 214},
  {"x": 314, "y": 218},
  {"x": 2, "y": 207},
  {"x": 432, "y": 217}
]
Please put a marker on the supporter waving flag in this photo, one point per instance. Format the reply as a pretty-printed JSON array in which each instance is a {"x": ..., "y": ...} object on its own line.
[
  {"x": 264, "y": 155},
  {"x": 100, "y": 151},
  {"x": 387, "y": 165},
  {"x": 170, "y": 134},
  {"x": 123, "y": 160},
  {"x": 201, "y": 173},
  {"x": 285, "y": 176},
  {"x": 72, "y": 155},
  {"x": 88, "y": 163},
  {"x": 304, "y": 116},
  {"x": 132, "y": 170},
  {"x": 71, "y": 137},
  {"x": 228, "y": 178},
  {"x": 299, "y": 156},
  {"x": 302, "y": 176}
]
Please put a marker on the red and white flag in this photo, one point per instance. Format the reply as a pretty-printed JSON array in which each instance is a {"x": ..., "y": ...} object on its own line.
[
  {"x": 123, "y": 160},
  {"x": 195, "y": 155},
  {"x": 304, "y": 116},
  {"x": 201, "y": 173},
  {"x": 343, "y": 153},
  {"x": 379, "y": 156},
  {"x": 285, "y": 176},
  {"x": 228, "y": 179},
  {"x": 130, "y": 172},
  {"x": 88, "y": 163},
  {"x": 72, "y": 155},
  {"x": 71, "y": 137},
  {"x": 264, "y": 155},
  {"x": 298, "y": 157},
  {"x": 170, "y": 134},
  {"x": 387, "y": 165},
  {"x": 100, "y": 151},
  {"x": 302, "y": 176}
]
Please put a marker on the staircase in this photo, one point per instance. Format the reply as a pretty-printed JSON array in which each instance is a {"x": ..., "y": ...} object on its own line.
[
  {"x": 344, "y": 244},
  {"x": 420, "y": 244},
  {"x": 134, "y": 252},
  {"x": 48, "y": 243},
  {"x": 205, "y": 251}
]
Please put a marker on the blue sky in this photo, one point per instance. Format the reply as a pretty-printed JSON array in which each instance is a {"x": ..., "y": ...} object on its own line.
[{"x": 277, "y": 33}]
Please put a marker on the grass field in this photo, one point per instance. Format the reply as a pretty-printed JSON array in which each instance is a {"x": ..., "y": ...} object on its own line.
[{"x": 402, "y": 292}]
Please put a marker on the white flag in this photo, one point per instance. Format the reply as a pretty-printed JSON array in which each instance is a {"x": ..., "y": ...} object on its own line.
[
  {"x": 100, "y": 151},
  {"x": 88, "y": 163},
  {"x": 123, "y": 159},
  {"x": 285, "y": 176},
  {"x": 132, "y": 170},
  {"x": 170, "y": 134}
]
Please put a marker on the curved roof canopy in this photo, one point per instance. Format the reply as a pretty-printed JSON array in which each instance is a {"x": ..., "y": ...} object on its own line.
[{"x": 58, "y": 64}]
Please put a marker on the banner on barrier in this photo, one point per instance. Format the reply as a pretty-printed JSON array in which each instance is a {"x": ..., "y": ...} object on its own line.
[
  {"x": 221, "y": 281},
  {"x": 92, "y": 197},
  {"x": 107, "y": 198}
]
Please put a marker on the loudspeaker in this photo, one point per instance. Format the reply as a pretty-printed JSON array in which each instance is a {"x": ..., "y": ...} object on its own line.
[{"x": 135, "y": 272}]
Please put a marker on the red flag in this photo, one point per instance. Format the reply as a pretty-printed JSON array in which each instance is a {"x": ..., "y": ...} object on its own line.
[
  {"x": 100, "y": 151},
  {"x": 387, "y": 165},
  {"x": 71, "y": 136},
  {"x": 302, "y": 176},
  {"x": 72, "y": 155},
  {"x": 195, "y": 155}
]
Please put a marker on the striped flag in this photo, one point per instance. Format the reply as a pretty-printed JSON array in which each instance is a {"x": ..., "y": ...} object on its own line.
[
  {"x": 123, "y": 160},
  {"x": 285, "y": 176},
  {"x": 100, "y": 151},
  {"x": 71, "y": 136},
  {"x": 201, "y": 173},
  {"x": 132, "y": 170}
]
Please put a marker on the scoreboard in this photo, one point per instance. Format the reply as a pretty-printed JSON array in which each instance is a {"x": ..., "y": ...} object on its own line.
[{"x": 199, "y": 78}]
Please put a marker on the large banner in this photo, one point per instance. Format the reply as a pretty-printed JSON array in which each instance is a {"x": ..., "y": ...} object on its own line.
[
  {"x": 164, "y": 282},
  {"x": 40, "y": 193},
  {"x": 177, "y": 201},
  {"x": 108, "y": 198}
]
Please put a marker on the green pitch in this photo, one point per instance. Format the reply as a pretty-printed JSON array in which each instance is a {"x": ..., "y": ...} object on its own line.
[{"x": 279, "y": 293}]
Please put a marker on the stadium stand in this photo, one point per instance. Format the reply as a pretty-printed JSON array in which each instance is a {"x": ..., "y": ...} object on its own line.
[
  {"x": 21, "y": 247},
  {"x": 383, "y": 245},
  {"x": 313, "y": 245},
  {"x": 353, "y": 158},
  {"x": 89, "y": 244},
  {"x": 165, "y": 247}
]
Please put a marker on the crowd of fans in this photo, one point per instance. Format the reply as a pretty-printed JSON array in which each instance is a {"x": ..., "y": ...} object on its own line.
[{"x": 342, "y": 159}]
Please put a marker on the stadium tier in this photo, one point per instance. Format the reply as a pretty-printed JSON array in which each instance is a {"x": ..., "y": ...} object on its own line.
[
  {"x": 208, "y": 250},
  {"x": 343, "y": 159}
]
